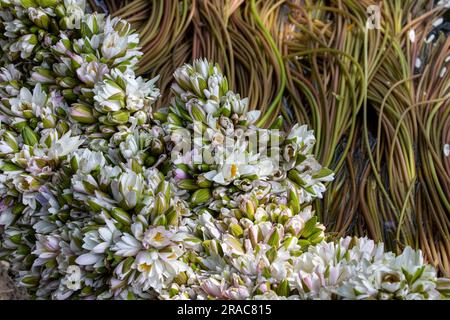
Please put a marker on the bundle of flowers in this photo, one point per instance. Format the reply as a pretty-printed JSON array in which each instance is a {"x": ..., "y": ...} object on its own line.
[{"x": 103, "y": 197}]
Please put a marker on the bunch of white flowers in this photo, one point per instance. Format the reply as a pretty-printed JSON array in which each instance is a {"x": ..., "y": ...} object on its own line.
[{"x": 102, "y": 197}]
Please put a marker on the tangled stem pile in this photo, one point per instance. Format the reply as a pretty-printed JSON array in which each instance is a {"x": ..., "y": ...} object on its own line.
[{"x": 101, "y": 195}]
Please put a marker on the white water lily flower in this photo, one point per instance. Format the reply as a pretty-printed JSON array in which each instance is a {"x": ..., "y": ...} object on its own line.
[
  {"x": 88, "y": 161},
  {"x": 128, "y": 246},
  {"x": 140, "y": 94},
  {"x": 127, "y": 189},
  {"x": 8, "y": 74},
  {"x": 302, "y": 137},
  {"x": 157, "y": 269},
  {"x": 108, "y": 96},
  {"x": 24, "y": 45},
  {"x": 29, "y": 102},
  {"x": 113, "y": 45},
  {"x": 92, "y": 72},
  {"x": 47, "y": 248},
  {"x": 157, "y": 238},
  {"x": 64, "y": 146}
]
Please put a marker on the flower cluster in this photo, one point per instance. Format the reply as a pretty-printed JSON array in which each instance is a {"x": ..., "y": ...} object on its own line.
[{"x": 102, "y": 197}]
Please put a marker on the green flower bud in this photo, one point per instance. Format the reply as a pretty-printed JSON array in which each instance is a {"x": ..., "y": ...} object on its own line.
[
  {"x": 309, "y": 227},
  {"x": 283, "y": 289},
  {"x": 272, "y": 254},
  {"x": 295, "y": 176},
  {"x": 60, "y": 11},
  {"x": 187, "y": 184},
  {"x": 274, "y": 239},
  {"x": 160, "y": 116},
  {"x": 201, "y": 196},
  {"x": 293, "y": 201},
  {"x": 249, "y": 209},
  {"x": 202, "y": 182},
  {"x": 181, "y": 278},
  {"x": 161, "y": 205},
  {"x": 82, "y": 113},
  {"x": 236, "y": 230},
  {"x": 28, "y": 3},
  {"x": 119, "y": 117},
  {"x": 127, "y": 264},
  {"x": 160, "y": 220},
  {"x": 141, "y": 117},
  {"x": 196, "y": 112},
  {"x": 174, "y": 119},
  {"x": 29, "y": 136},
  {"x": 156, "y": 147},
  {"x": 68, "y": 82},
  {"x": 47, "y": 3},
  {"x": 11, "y": 141},
  {"x": 39, "y": 18},
  {"x": 172, "y": 218},
  {"x": 30, "y": 281},
  {"x": 121, "y": 216},
  {"x": 164, "y": 188},
  {"x": 69, "y": 95}
]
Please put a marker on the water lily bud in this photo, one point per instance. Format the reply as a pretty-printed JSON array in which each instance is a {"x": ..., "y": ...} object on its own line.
[
  {"x": 309, "y": 227},
  {"x": 181, "y": 278},
  {"x": 295, "y": 176},
  {"x": 160, "y": 116},
  {"x": 160, "y": 220},
  {"x": 202, "y": 182},
  {"x": 236, "y": 230},
  {"x": 187, "y": 184},
  {"x": 28, "y": 3},
  {"x": 69, "y": 95},
  {"x": 201, "y": 196},
  {"x": 42, "y": 75},
  {"x": 67, "y": 82},
  {"x": 29, "y": 136},
  {"x": 119, "y": 117},
  {"x": 272, "y": 254},
  {"x": 161, "y": 205},
  {"x": 172, "y": 218},
  {"x": 82, "y": 113},
  {"x": 156, "y": 147},
  {"x": 164, "y": 189},
  {"x": 293, "y": 200},
  {"x": 47, "y": 3},
  {"x": 39, "y": 17},
  {"x": 30, "y": 281},
  {"x": 248, "y": 209},
  {"x": 283, "y": 289},
  {"x": 274, "y": 239},
  {"x": 10, "y": 144},
  {"x": 121, "y": 216},
  {"x": 141, "y": 117},
  {"x": 196, "y": 112},
  {"x": 174, "y": 119},
  {"x": 127, "y": 264}
]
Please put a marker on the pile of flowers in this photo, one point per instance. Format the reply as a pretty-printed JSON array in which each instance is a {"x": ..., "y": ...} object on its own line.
[{"x": 103, "y": 197}]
